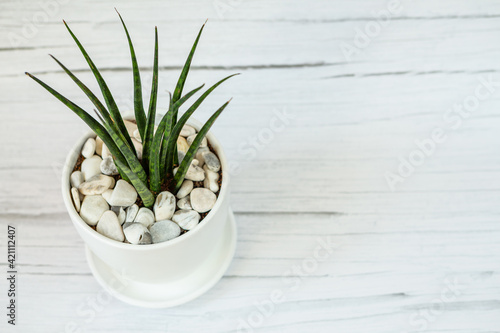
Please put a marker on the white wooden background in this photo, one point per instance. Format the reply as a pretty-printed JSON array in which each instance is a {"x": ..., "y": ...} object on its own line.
[{"x": 422, "y": 258}]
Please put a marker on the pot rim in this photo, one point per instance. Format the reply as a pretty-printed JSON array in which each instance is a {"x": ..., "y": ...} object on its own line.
[{"x": 77, "y": 220}]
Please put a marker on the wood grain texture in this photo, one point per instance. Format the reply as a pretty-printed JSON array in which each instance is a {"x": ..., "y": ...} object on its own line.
[{"x": 319, "y": 176}]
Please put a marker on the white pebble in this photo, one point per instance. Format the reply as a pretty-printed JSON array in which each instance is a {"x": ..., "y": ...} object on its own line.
[
  {"x": 105, "y": 151},
  {"x": 185, "y": 189},
  {"x": 108, "y": 166},
  {"x": 93, "y": 206},
  {"x": 98, "y": 146},
  {"x": 76, "y": 178},
  {"x": 163, "y": 231},
  {"x": 211, "y": 161},
  {"x": 121, "y": 215},
  {"x": 184, "y": 203},
  {"x": 202, "y": 199},
  {"x": 131, "y": 126},
  {"x": 131, "y": 213},
  {"x": 187, "y": 131},
  {"x": 211, "y": 179},
  {"x": 137, "y": 135},
  {"x": 110, "y": 227},
  {"x": 186, "y": 219},
  {"x": 145, "y": 216},
  {"x": 123, "y": 195},
  {"x": 194, "y": 172},
  {"x": 199, "y": 155},
  {"x": 164, "y": 206},
  {"x": 182, "y": 144},
  {"x": 96, "y": 185},
  {"x": 203, "y": 143},
  {"x": 136, "y": 233},
  {"x": 76, "y": 198},
  {"x": 138, "y": 148},
  {"x": 180, "y": 155},
  {"x": 88, "y": 148},
  {"x": 107, "y": 195},
  {"x": 91, "y": 167}
]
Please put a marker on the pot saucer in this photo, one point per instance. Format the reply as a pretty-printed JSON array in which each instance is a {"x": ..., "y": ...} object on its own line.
[{"x": 164, "y": 295}]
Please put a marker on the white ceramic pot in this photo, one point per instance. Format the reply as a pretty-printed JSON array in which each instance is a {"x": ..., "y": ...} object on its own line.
[{"x": 165, "y": 265}]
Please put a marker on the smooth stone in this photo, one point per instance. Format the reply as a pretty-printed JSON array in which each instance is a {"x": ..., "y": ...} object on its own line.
[
  {"x": 180, "y": 156},
  {"x": 93, "y": 206},
  {"x": 128, "y": 224},
  {"x": 191, "y": 138},
  {"x": 182, "y": 145},
  {"x": 202, "y": 199},
  {"x": 184, "y": 203},
  {"x": 163, "y": 231},
  {"x": 113, "y": 183},
  {"x": 132, "y": 213},
  {"x": 96, "y": 185},
  {"x": 199, "y": 155},
  {"x": 137, "y": 135},
  {"x": 107, "y": 195},
  {"x": 211, "y": 161},
  {"x": 145, "y": 216},
  {"x": 146, "y": 239},
  {"x": 120, "y": 213},
  {"x": 76, "y": 178},
  {"x": 186, "y": 219},
  {"x": 136, "y": 233},
  {"x": 76, "y": 198},
  {"x": 187, "y": 131},
  {"x": 138, "y": 148},
  {"x": 211, "y": 179},
  {"x": 105, "y": 152},
  {"x": 98, "y": 145},
  {"x": 130, "y": 126},
  {"x": 88, "y": 148},
  {"x": 91, "y": 167},
  {"x": 123, "y": 195},
  {"x": 185, "y": 189},
  {"x": 164, "y": 206},
  {"x": 108, "y": 166},
  {"x": 194, "y": 172},
  {"x": 110, "y": 227}
]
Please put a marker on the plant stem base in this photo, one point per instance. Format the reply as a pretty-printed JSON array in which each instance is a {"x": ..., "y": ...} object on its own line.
[{"x": 170, "y": 294}]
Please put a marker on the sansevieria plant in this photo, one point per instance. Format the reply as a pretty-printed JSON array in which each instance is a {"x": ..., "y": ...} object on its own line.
[{"x": 155, "y": 171}]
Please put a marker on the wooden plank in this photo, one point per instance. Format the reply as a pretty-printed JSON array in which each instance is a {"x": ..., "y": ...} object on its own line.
[{"x": 320, "y": 177}]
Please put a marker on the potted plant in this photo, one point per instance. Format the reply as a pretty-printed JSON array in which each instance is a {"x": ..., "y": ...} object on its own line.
[{"x": 150, "y": 201}]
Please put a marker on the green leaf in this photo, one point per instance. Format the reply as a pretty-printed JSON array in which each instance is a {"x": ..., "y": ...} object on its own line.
[
  {"x": 147, "y": 197},
  {"x": 166, "y": 134},
  {"x": 180, "y": 84},
  {"x": 102, "y": 110},
  {"x": 186, "y": 162},
  {"x": 90, "y": 121},
  {"x": 130, "y": 156},
  {"x": 150, "y": 126},
  {"x": 185, "y": 69},
  {"x": 110, "y": 102},
  {"x": 120, "y": 171},
  {"x": 140, "y": 115},
  {"x": 155, "y": 165},
  {"x": 172, "y": 141},
  {"x": 154, "y": 159}
]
